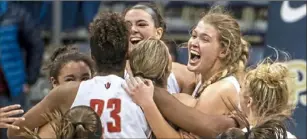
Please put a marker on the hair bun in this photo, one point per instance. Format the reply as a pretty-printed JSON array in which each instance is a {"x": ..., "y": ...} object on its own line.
[
  {"x": 273, "y": 74},
  {"x": 61, "y": 51}
]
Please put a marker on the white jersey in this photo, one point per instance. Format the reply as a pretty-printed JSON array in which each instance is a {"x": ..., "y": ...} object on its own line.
[
  {"x": 172, "y": 84},
  {"x": 120, "y": 116}
]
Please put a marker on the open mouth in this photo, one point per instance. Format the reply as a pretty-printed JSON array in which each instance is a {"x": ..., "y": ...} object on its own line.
[
  {"x": 135, "y": 41},
  {"x": 194, "y": 56}
]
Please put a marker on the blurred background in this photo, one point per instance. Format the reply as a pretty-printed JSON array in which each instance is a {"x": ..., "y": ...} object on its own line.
[{"x": 281, "y": 24}]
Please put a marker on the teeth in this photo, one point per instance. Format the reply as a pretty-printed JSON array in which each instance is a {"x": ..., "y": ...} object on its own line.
[
  {"x": 195, "y": 53},
  {"x": 135, "y": 39}
]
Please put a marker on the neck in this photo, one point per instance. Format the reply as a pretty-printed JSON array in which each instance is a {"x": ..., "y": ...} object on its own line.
[
  {"x": 205, "y": 76},
  {"x": 252, "y": 118},
  {"x": 120, "y": 74}
]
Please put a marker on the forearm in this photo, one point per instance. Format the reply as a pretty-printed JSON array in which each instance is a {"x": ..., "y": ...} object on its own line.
[
  {"x": 188, "y": 118},
  {"x": 158, "y": 124}
]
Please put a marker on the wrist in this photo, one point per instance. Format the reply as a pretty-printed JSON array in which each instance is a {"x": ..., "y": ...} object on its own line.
[{"x": 148, "y": 104}]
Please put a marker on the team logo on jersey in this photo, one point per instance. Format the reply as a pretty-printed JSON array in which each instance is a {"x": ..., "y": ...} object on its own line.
[{"x": 107, "y": 85}]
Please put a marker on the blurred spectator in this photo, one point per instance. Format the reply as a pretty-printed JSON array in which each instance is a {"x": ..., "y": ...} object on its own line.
[{"x": 21, "y": 50}]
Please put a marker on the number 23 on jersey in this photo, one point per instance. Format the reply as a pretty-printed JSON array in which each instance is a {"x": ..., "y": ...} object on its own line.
[{"x": 115, "y": 105}]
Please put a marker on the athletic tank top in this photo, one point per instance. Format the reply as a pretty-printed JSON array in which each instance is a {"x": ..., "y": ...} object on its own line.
[
  {"x": 120, "y": 116},
  {"x": 172, "y": 84}
]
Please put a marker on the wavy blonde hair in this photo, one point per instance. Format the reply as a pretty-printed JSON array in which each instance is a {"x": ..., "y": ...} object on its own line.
[
  {"x": 230, "y": 38},
  {"x": 150, "y": 59},
  {"x": 270, "y": 87},
  {"x": 79, "y": 122},
  {"x": 268, "y": 127}
]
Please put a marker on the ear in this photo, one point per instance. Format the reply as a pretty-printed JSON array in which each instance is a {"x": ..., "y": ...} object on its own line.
[
  {"x": 54, "y": 82},
  {"x": 159, "y": 33},
  {"x": 223, "y": 53},
  {"x": 249, "y": 102}
]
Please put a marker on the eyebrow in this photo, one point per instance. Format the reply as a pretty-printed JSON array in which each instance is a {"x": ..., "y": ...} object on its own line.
[
  {"x": 69, "y": 76},
  {"x": 141, "y": 20},
  {"x": 85, "y": 74},
  {"x": 202, "y": 34}
]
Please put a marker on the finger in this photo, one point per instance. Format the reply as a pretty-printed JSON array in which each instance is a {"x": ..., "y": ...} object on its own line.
[
  {"x": 139, "y": 80},
  {"x": 9, "y": 126},
  {"x": 10, "y": 107},
  {"x": 149, "y": 82},
  {"x": 11, "y": 113},
  {"x": 12, "y": 119},
  {"x": 126, "y": 88},
  {"x": 129, "y": 84},
  {"x": 133, "y": 81}
]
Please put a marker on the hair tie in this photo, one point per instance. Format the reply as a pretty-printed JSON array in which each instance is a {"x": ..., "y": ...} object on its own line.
[
  {"x": 246, "y": 134},
  {"x": 78, "y": 123}
]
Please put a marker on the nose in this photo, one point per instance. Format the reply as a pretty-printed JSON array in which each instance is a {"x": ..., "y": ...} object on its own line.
[
  {"x": 193, "y": 43},
  {"x": 134, "y": 29}
]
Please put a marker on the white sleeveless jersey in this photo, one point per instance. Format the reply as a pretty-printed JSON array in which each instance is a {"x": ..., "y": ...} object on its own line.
[
  {"x": 172, "y": 84},
  {"x": 120, "y": 116}
]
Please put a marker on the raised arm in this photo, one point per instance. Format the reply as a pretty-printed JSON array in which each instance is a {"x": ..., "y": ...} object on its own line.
[{"x": 188, "y": 118}]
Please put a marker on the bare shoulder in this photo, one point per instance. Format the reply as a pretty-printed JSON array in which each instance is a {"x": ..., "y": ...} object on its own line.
[
  {"x": 177, "y": 67},
  {"x": 220, "y": 94},
  {"x": 185, "y": 78},
  {"x": 222, "y": 88}
]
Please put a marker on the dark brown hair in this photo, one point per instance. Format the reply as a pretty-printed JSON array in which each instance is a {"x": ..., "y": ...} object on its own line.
[
  {"x": 109, "y": 42},
  {"x": 63, "y": 55},
  {"x": 152, "y": 9}
]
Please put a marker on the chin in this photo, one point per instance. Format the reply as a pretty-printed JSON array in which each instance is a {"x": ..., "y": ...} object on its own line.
[{"x": 191, "y": 68}]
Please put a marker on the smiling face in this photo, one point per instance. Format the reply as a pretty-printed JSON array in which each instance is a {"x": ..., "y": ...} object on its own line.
[
  {"x": 142, "y": 26},
  {"x": 204, "y": 48},
  {"x": 72, "y": 71}
]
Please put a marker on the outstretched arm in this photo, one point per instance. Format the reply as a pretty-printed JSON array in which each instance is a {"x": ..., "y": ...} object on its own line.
[
  {"x": 188, "y": 118},
  {"x": 59, "y": 98}
]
